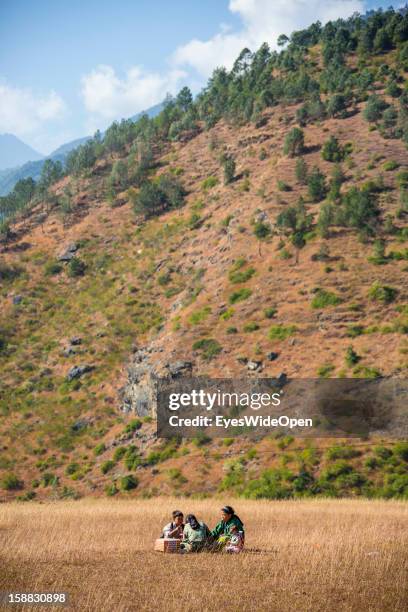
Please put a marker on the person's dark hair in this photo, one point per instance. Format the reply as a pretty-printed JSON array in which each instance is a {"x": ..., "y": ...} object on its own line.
[
  {"x": 177, "y": 513},
  {"x": 192, "y": 521},
  {"x": 230, "y": 510}
]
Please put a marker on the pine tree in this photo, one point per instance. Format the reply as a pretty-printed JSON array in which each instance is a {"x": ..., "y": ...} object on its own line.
[
  {"x": 294, "y": 142},
  {"x": 316, "y": 185},
  {"x": 301, "y": 171}
]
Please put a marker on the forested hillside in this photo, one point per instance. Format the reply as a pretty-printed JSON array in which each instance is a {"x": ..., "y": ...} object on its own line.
[{"x": 258, "y": 228}]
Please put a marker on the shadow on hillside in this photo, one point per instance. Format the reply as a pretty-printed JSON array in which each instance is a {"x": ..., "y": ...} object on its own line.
[{"x": 312, "y": 148}]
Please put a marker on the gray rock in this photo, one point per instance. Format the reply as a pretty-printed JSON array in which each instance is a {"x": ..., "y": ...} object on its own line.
[
  {"x": 69, "y": 252},
  {"x": 254, "y": 365},
  {"x": 80, "y": 424},
  {"x": 78, "y": 371},
  {"x": 75, "y": 340},
  {"x": 282, "y": 378},
  {"x": 68, "y": 351},
  {"x": 139, "y": 393},
  {"x": 143, "y": 376},
  {"x": 262, "y": 216},
  {"x": 127, "y": 405},
  {"x": 178, "y": 368}
]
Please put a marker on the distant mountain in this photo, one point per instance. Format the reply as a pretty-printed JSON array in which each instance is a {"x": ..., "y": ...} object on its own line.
[
  {"x": 10, "y": 176},
  {"x": 15, "y": 152},
  {"x": 68, "y": 146},
  {"x": 64, "y": 149},
  {"x": 151, "y": 112}
]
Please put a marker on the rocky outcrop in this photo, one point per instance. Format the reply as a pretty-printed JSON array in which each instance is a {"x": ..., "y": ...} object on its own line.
[
  {"x": 78, "y": 371},
  {"x": 180, "y": 368},
  {"x": 139, "y": 393},
  {"x": 144, "y": 371},
  {"x": 69, "y": 253}
]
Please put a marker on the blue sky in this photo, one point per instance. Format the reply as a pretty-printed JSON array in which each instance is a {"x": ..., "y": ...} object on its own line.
[{"x": 67, "y": 68}]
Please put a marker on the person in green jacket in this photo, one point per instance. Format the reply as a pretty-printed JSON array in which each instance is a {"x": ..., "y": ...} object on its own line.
[
  {"x": 196, "y": 535},
  {"x": 222, "y": 531}
]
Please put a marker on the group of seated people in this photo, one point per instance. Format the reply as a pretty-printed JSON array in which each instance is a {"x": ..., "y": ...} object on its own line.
[{"x": 228, "y": 535}]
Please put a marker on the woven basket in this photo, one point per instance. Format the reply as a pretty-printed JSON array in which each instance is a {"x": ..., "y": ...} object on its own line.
[{"x": 167, "y": 545}]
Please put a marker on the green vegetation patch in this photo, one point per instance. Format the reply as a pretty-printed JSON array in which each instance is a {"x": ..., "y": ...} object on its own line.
[
  {"x": 241, "y": 276},
  {"x": 240, "y": 295},
  {"x": 208, "y": 347},
  {"x": 323, "y": 299},
  {"x": 251, "y": 326},
  {"x": 209, "y": 183},
  {"x": 382, "y": 293},
  {"x": 199, "y": 315},
  {"x": 281, "y": 332}
]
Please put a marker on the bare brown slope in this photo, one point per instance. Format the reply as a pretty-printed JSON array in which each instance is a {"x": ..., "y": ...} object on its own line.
[{"x": 121, "y": 301}]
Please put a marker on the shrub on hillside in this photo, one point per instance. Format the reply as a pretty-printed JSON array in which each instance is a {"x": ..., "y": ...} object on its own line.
[
  {"x": 323, "y": 299},
  {"x": 119, "y": 453},
  {"x": 199, "y": 315},
  {"x": 316, "y": 185},
  {"x": 209, "y": 183},
  {"x": 332, "y": 151},
  {"x": 301, "y": 171},
  {"x": 342, "y": 452},
  {"x": 294, "y": 142},
  {"x": 11, "y": 482},
  {"x": 351, "y": 358},
  {"x": 390, "y": 165},
  {"x": 52, "y": 268},
  {"x": 159, "y": 195},
  {"x": 239, "y": 295},
  {"x": 374, "y": 108},
  {"x": 270, "y": 312},
  {"x": 359, "y": 209},
  {"x": 99, "y": 449},
  {"x": 272, "y": 484},
  {"x": 281, "y": 332},
  {"x": 133, "y": 425},
  {"x": 228, "y": 165},
  {"x": 129, "y": 482},
  {"x": 241, "y": 276},
  {"x": 9, "y": 273},
  {"x": 208, "y": 347},
  {"x": 76, "y": 267},
  {"x": 132, "y": 457},
  {"x": 382, "y": 293},
  {"x": 400, "y": 450},
  {"x": 282, "y": 186},
  {"x": 107, "y": 466},
  {"x": 262, "y": 230},
  {"x": 251, "y": 326},
  {"x": 111, "y": 489},
  {"x": 402, "y": 179},
  {"x": 337, "y": 105}
]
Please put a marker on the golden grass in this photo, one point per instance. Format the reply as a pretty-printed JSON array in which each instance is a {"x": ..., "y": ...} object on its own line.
[{"x": 301, "y": 555}]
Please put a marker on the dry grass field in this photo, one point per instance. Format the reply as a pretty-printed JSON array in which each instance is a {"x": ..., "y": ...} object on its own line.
[{"x": 301, "y": 555}]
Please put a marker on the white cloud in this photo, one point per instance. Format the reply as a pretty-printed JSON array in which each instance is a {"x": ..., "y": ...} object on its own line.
[
  {"x": 262, "y": 21},
  {"x": 107, "y": 95},
  {"x": 25, "y": 113}
]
